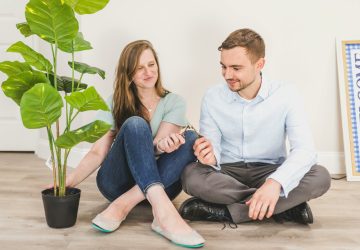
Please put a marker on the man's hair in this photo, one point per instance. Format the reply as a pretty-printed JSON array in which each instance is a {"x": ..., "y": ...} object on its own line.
[{"x": 248, "y": 39}]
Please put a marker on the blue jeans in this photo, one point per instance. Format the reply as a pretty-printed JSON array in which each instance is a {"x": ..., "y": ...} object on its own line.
[{"x": 131, "y": 161}]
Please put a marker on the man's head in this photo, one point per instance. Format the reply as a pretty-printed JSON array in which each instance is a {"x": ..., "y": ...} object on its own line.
[
  {"x": 248, "y": 39},
  {"x": 242, "y": 59}
]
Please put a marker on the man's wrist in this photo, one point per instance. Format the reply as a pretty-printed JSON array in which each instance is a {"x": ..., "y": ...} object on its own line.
[
  {"x": 274, "y": 182},
  {"x": 214, "y": 162}
]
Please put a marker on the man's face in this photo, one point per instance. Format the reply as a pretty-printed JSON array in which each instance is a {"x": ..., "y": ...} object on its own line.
[{"x": 237, "y": 68}]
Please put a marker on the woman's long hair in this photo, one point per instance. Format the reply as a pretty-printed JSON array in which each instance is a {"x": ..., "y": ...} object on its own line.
[{"x": 126, "y": 101}]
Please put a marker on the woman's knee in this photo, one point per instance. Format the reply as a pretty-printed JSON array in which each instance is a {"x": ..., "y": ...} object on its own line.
[
  {"x": 190, "y": 137},
  {"x": 135, "y": 122},
  {"x": 135, "y": 126}
]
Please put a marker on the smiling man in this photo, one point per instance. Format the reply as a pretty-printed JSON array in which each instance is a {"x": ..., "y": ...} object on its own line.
[{"x": 244, "y": 172}]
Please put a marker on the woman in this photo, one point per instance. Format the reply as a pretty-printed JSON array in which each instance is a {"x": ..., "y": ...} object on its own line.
[{"x": 144, "y": 154}]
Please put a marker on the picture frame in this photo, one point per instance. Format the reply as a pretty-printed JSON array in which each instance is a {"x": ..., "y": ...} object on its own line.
[{"x": 348, "y": 62}]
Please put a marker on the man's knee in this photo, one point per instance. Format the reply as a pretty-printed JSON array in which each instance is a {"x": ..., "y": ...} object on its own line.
[
  {"x": 189, "y": 178},
  {"x": 198, "y": 181},
  {"x": 195, "y": 180},
  {"x": 321, "y": 180}
]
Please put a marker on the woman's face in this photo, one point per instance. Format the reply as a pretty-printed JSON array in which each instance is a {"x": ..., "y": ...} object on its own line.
[{"x": 146, "y": 73}]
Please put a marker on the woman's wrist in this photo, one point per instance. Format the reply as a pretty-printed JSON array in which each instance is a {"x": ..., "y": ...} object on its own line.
[{"x": 70, "y": 180}]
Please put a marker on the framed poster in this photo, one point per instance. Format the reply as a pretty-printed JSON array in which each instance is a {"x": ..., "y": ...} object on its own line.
[{"x": 348, "y": 60}]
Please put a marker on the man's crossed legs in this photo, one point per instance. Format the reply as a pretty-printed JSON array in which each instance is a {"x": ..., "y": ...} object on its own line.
[{"x": 222, "y": 194}]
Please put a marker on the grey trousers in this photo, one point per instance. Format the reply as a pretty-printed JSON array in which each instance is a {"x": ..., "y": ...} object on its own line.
[{"x": 236, "y": 182}]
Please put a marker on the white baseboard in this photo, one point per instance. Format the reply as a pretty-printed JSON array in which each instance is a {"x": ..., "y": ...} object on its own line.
[
  {"x": 333, "y": 161},
  {"x": 75, "y": 156}
]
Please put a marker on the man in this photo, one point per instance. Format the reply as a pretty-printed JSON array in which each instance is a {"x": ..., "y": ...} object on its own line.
[{"x": 244, "y": 172}]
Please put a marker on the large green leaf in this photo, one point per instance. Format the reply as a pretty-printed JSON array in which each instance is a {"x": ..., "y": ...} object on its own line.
[
  {"x": 89, "y": 99},
  {"x": 24, "y": 29},
  {"x": 86, "y": 6},
  {"x": 85, "y": 68},
  {"x": 51, "y": 20},
  {"x": 40, "y": 106},
  {"x": 64, "y": 83},
  {"x": 31, "y": 56},
  {"x": 59, "y": 83},
  {"x": 89, "y": 133},
  {"x": 67, "y": 81},
  {"x": 77, "y": 44},
  {"x": 14, "y": 68},
  {"x": 16, "y": 85}
]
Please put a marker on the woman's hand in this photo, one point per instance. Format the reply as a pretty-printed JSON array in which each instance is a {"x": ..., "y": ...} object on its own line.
[
  {"x": 170, "y": 143},
  {"x": 70, "y": 182}
]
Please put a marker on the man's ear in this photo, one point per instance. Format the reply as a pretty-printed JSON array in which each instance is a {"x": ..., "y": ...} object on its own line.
[{"x": 260, "y": 63}]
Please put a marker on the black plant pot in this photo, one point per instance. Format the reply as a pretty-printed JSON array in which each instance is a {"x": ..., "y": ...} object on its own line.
[{"x": 61, "y": 212}]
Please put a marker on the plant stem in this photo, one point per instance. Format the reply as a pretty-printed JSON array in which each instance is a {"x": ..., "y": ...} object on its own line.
[
  {"x": 51, "y": 141},
  {"x": 77, "y": 87},
  {"x": 68, "y": 129},
  {"x": 66, "y": 155},
  {"x": 72, "y": 85},
  {"x": 58, "y": 158},
  {"x": 81, "y": 76},
  {"x": 72, "y": 70},
  {"x": 68, "y": 125},
  {"x": 67, "y": 114},
  {"x": 74, "y": 116},
  {"x": 58, "y": 150},
  {"x": 54, "y": 54},
  {"x": 60, "y": 172}
]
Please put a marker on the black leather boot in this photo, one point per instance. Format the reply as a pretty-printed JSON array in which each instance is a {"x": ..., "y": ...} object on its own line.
[
  {"x": 196, "y": 209},
  {"x": 301, "y": 214}
]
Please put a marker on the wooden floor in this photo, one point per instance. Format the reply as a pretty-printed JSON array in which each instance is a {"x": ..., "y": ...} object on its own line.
[{"x": 23, "y": 226}]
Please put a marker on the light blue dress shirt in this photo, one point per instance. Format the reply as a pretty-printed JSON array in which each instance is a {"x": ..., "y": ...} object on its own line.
[{"x": 255, "y": 130}]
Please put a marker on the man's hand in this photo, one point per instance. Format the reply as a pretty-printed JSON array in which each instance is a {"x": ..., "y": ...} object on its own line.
[
  {"x": 170, "y": 143},
  {"x": 204, "y": 151},
  {"x": 264, "y": 200}
]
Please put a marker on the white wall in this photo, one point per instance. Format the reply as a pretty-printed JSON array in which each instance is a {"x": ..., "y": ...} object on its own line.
[{"x": 299, "y": 35}]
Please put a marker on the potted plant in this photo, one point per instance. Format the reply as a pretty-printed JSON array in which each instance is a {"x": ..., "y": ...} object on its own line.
[{"x": 43, "y": 95}]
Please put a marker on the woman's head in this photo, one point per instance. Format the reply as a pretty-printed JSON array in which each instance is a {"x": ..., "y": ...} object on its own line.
[
  {"x": 129, "y": 61},
  {"x": 138, "y": 67}
]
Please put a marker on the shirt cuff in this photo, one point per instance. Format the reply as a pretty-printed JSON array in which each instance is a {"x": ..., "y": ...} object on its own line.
[
  {"x": 217, "y": 158},
  {"x": 283, "y": 192}
]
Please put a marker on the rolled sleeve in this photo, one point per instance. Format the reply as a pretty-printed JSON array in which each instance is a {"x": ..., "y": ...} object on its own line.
[{"x": 175, "y": 111}]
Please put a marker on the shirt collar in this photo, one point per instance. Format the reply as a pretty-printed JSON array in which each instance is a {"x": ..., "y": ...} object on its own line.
[
  {"x": 230, "y": 96},
  {"x": 263, "y": 91}
]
